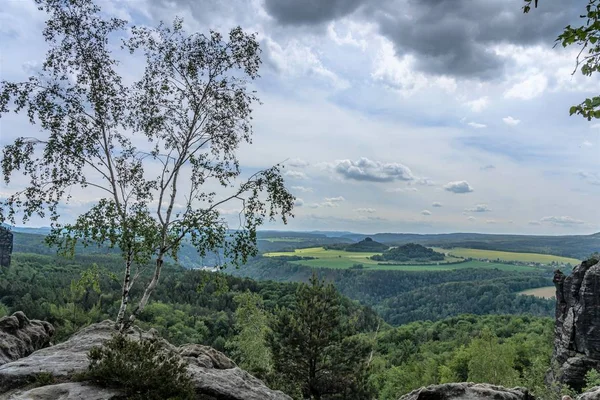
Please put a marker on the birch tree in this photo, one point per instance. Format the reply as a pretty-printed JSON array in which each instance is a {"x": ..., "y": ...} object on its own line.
[{"x": 161, "y": 152}]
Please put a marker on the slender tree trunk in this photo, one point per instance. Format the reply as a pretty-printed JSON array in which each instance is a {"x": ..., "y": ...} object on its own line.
[
  {"x": 147, "y": 293},
  {"x": 125, "y": 294}
]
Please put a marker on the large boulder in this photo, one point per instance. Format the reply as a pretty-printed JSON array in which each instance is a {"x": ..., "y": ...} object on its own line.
[
  {"x": 65, "y": 391},
  {"x": 20, "y": 336},
  {"x": 467, "y": 391},
  {"x": 577, "y": 327},
  {"x": 213, "y": 374},
  {"x": 592, "y": 394}
]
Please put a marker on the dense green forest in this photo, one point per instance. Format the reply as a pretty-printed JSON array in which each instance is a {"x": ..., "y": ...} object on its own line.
[
  {"x": 410, "y": 326},
  {"x": 576, "y": 246},
  {"x": 222, "y": 311},
  {"x": 366, "y": 245},
  {"x": 401, "y": 297},
  {"x": 409, "y": 252}
]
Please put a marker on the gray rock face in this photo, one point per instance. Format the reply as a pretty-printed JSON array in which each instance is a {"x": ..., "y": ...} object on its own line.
[
  {"x": 467, "y": 391},
  {"x": 577, "y": 329},
  {"x": 20, "y": 336},
  {"x": 65, "y": 391},
  {"x": 593, "y": 394},
  {"x": 213, "y": 374}
]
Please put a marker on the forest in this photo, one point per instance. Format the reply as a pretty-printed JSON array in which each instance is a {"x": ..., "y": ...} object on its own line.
[{"x": 221, "y": 310}]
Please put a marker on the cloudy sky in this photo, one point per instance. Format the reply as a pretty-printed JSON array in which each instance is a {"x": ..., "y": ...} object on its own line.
[{"x": 395, "y": 115}]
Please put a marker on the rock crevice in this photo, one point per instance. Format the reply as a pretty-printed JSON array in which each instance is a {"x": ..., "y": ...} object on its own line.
[
  {"x": 577, "y": 326},
  {"x": 213, "y": 374}
]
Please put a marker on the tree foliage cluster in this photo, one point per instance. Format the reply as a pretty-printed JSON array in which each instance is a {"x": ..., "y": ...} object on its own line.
[
  {"x": 409, "y": 252},
  {"x": 402, "y": 297},
  {"x": 504, "y": 350},
  {"x": 367, "y": 245},
  {"x": 159, "y": 154}
]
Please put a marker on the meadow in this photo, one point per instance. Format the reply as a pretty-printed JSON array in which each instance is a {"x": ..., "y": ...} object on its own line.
[
  {"x": 508, "y": 256},
  {"x": 546, "y": 292},
  {"x": 339, "y": 259}
]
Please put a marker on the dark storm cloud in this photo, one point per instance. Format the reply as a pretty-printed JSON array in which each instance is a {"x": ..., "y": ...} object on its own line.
[
  {"x": 447, "y": 37},
  {"x": 454, "y": 37},
  {"x": 309, "y": 12}
]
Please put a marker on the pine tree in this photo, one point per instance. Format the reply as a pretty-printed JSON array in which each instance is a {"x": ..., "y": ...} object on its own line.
[{"x": 314, "y": 349}]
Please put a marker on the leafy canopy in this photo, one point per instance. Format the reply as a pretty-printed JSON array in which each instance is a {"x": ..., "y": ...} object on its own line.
[
  {"x": 587, "y": 38},
  {"x": 158, "y": 155}
]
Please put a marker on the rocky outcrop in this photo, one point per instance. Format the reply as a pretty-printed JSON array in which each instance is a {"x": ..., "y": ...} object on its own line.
[
  {"x": 20, "y": 336},
  {"x": 577, "y": 329},
  {"x": 592, "y": 394},
  {"x": 470, "y": 391},
  {"x": 213, "y": 374},
  {"x": 66, "y": 391}
]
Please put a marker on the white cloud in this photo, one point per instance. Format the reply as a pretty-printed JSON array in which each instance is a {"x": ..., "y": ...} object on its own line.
[
  {"x": 303, "y": 189},
  {"x": 296, "y": 59},
  {"x": 535, "y": 223},
  {"x": 564, "y": 220},
  {"x": 458, "y": 187},
  {"x": 587, "y": 143},
  {"x": 472, "y": 219},
  {"x": 399, "y": 72},
  {"x": 373, "y": 171},
  {"x": 295, "y": 175},
  {"x": 479, "y": 104},
  {"x": 436, "y": 204},
  {"x": 479, "y": 208},
  {"x": 528, "y": 88},
  {"x": 476, "y": 125},
  {"x": 589, "y": 177},
  {"x": 422, "y": 182},
  {"x": 330, "y": 202},
  {"x": 299, "y": 202},
  {"x": 402, "y": 190},
  {"x": 510, "y": 121},
  {"x": 490, "y": 221},
  {"x": 426, "y": 212},
  {"x": 365, "y": 210},
  {"x": 297, "y": 163},
  {"x": 487, "y": 167}
]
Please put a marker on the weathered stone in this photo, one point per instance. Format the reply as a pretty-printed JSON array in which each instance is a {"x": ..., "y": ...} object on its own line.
[
  {"x": 6, "y": 246},
  {"x": 20, "y": 336},
  {"x": 65, "y": 391},
  {"x": 577, "y": 327},
  {"x": 213, "y": 374},
  {"x": 592, "y": 394},
  {"x": 231, "y": 384},
  {"x": 204, "y": 356},
  {"x": 467, "y": 391}
]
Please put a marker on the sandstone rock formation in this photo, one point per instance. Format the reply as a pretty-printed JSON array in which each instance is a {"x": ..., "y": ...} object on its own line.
[
  {"x": 470, "y": 391},
  {"x": 65, "y": 391},
  {"x": 593, "y": 394},
  {"x": 577, "y": 329},
  {"x": 213, "y": 374},
  {"x": 20, "y": 336}
]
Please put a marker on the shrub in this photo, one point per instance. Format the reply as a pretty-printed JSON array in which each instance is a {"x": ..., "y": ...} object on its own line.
[{"x": 144, "y": 369}]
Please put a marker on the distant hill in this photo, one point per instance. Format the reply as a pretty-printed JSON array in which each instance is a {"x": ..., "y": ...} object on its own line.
[
  {"x": 576, "y": 246},
  {"x": 367, "y": 245},
  {"x": 408, "y": 253}
]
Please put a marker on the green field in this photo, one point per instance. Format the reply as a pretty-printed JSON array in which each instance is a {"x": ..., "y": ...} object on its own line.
[
  {"x": 547, "y": 292},
  {"x": 508, "y": 256},
  {"x": 340, "y": 259}
]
